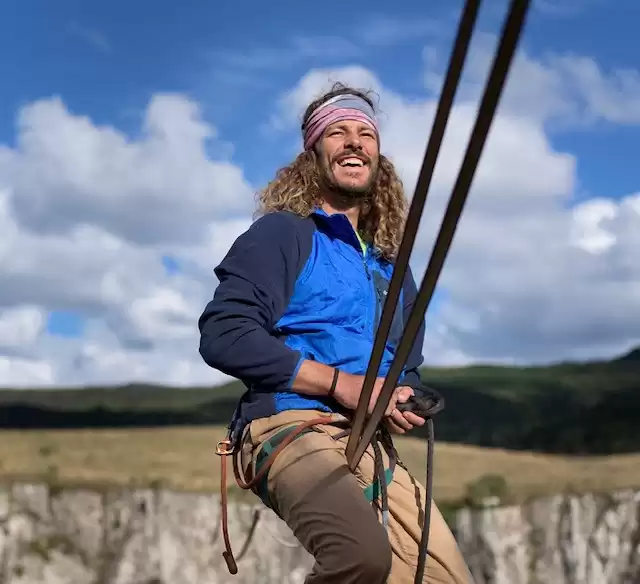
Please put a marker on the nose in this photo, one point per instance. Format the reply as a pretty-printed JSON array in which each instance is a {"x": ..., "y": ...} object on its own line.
[{"x": 353, "y": 141}]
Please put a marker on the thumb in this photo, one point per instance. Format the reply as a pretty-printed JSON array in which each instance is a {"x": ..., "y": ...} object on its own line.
[
  {"x": 404, "y": 393},
  {"x": 392, "y": 403}
]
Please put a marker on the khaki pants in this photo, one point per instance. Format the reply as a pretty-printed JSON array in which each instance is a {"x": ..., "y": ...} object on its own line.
[{"x": 312, "y": 489}]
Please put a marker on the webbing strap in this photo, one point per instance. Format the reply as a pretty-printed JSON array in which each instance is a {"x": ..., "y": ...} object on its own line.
[{"x": 268, "y": 446}]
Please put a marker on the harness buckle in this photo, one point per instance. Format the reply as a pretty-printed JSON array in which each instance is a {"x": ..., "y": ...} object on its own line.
[{"x": 224, "y": 448}]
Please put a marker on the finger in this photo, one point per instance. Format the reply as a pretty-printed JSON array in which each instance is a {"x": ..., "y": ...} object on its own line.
[
  {"x": 399, "y": 419},
  {"x": 413, "y": 419},
  {"x": 394, "y": 428}
]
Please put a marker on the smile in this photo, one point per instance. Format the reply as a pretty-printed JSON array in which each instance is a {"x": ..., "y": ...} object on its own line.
[{"x": 351, "y": 162}]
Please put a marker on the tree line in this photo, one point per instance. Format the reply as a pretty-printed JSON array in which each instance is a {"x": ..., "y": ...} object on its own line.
[{"x": 566, "y": 408}]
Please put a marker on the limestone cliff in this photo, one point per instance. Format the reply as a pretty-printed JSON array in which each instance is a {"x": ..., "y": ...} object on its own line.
[
  {"x": 584, "y": 539},
  {"x": 156, "y": 536}
]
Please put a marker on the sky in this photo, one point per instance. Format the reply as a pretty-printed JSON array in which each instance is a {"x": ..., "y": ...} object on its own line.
[{"x": 134, "y": 136}]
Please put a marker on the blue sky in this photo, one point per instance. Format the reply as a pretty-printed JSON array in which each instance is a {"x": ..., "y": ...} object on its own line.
[{"x": 106, "y": 60}]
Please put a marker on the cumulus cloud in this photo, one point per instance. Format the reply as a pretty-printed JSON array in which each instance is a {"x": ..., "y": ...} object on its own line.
[
  {"x": 87, "y": 214},
  {"x": 20, "y": 327},
  {"x": 160, "y": 189},
  {"x": 21, "y": 372},
  {"x": 560, "y": 90},
  {"x": 532, "y": 275}
]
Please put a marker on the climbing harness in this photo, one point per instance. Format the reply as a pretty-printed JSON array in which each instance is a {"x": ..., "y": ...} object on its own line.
[
  {"x": 427, "y": 405},
  {"x": 267, "y": 454}
]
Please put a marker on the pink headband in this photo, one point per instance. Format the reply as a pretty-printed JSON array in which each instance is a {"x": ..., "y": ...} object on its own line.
[{"x": 341, "y": 107}]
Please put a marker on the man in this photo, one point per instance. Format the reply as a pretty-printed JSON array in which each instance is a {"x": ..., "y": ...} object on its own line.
[{"x": 294, "y": 317}]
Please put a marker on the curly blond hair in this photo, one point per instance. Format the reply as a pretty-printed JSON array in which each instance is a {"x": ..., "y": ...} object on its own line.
[{"x": 298, "y": 188}]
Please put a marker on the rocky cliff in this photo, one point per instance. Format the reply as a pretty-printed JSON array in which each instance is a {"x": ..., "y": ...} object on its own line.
[
  {"x": 564, "y": 539},
  {"x": 156, "y": 536}
]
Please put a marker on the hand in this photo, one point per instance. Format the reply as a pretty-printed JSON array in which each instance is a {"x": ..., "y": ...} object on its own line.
[
  {"x": 349, "y": 388},
  {"x": 400, "y": 422}
]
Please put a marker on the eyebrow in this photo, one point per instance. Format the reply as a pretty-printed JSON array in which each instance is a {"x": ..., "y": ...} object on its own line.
[{"x": 343, "y": 126}]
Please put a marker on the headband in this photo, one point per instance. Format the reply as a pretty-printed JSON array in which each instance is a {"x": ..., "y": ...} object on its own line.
[{"x": 336, "y": 109}]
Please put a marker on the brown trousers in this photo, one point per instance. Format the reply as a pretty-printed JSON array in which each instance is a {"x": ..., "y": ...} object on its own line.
[{"x": 312, "y": 489}]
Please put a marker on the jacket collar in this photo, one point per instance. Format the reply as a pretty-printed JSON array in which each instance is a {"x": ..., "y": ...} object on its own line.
[{"x": 338, "y": 226}]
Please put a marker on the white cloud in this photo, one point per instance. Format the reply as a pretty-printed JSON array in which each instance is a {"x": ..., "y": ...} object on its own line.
[
  {"x": 20, "y": 327},
  {"x": 93, "y": 37},
  {"x": 19, "y": 372},
  {"x": 531, "y": 276},
  {"x": 162, "y": 188},
  {"x": 87, "y": 212},
  {"x": 374, "y": 31},
  {"x": 567, "y": 89},
  {"x": 588, "y": 228}
]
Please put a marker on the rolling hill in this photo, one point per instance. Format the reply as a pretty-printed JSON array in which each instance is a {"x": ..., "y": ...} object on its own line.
[{"x": 568, "y": 408}]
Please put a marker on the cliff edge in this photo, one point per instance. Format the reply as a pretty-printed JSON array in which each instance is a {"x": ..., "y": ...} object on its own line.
[{"x": 156, "y": 536}]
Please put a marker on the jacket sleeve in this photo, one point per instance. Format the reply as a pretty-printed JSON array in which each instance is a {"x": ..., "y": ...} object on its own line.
[
  {"x": 411, "y": 373},
  {"x": 257, "y": 277}
]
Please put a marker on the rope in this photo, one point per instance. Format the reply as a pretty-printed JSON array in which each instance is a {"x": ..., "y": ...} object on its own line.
[{"x": 510, "y": 35}]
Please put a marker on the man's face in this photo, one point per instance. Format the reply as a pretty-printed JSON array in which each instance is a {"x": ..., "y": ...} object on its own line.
[{"x": 348, "y": 153}]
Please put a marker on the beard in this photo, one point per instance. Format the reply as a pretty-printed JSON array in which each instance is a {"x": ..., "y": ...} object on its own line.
[{"x": 345, "y": 188}]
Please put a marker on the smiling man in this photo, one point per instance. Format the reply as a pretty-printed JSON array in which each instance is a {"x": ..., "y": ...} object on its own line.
[{"x": 294, "y": 317}]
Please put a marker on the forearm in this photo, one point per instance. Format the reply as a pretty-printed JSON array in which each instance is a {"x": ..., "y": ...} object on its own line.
[{"x": 313, "y": 378}]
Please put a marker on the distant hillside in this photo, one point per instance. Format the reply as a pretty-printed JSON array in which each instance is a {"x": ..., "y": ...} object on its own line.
[
  {"x": 591, "y": 407},
  {"x": 631, "y": 356}
]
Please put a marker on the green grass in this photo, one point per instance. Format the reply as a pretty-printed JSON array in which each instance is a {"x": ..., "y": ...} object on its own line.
[
  {"x": 184, "y": 459},
  {"x": 567, "y": 408}
]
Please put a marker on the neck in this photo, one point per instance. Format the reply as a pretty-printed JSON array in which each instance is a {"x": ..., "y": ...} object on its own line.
[{"x": 350, "y": 209}]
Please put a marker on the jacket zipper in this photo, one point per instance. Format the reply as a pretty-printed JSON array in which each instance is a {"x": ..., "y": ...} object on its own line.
[
  {"x": 366, "y": 268},
  {"x": 372, "y": 284},
  {"x": 376, "y": 298},
  {"x": 377, "y": 316}
]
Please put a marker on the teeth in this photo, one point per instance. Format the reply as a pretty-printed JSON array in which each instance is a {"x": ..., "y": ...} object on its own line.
[{"x": 351, "y": 162}]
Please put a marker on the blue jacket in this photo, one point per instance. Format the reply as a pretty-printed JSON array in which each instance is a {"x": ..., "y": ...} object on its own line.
[{"x": 291, "y": 289}]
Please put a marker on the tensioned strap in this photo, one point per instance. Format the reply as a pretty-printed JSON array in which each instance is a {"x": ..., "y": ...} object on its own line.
[
  {"x": 268, "y": 446},
  {"x": 361, "y": 434},
  {"x": 371, "y": 492},
  {"x": 445, "y": 104},
  {"x": 493, "y": 90}
]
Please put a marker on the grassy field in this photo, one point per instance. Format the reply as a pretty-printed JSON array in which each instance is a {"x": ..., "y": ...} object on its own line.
[{"x": 184, "y": 458}]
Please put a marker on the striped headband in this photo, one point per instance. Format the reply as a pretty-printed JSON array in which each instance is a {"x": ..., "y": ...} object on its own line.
[{"x": 336, "y": 109}]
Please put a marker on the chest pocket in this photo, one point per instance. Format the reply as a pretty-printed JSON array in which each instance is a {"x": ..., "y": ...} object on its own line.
[
  {"x": 397, "y": 325},
  {"x": 327, "y": 296}
]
